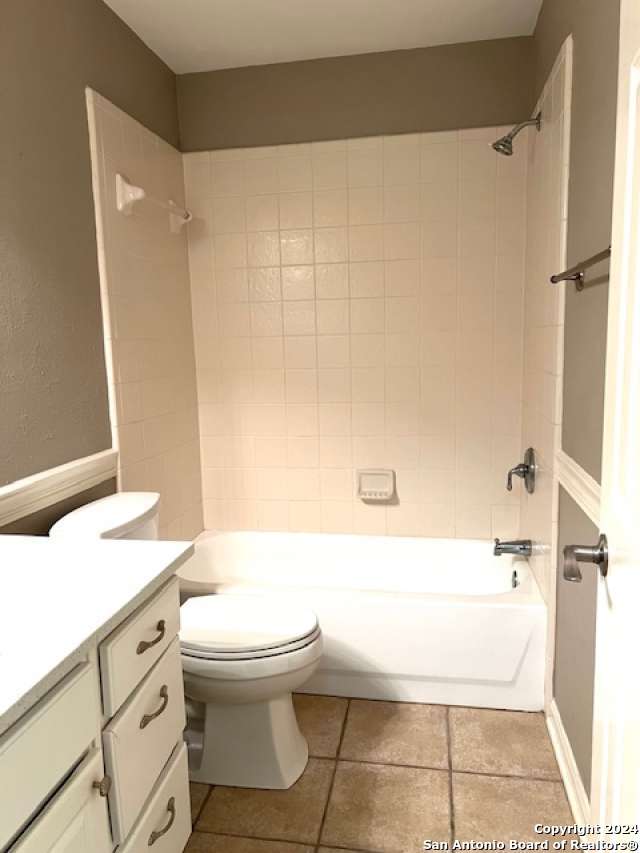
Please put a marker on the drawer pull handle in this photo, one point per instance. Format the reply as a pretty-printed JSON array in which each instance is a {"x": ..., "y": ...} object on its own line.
[
  {"x": 103, "y": 786},
  {"x": 158, "y": 833},
  {"x": 148, "y": 718},
  {"x": 148, "y": 644}
]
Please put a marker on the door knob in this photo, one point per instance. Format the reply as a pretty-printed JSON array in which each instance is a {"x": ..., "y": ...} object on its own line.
[{"x": 575, "y": 554}]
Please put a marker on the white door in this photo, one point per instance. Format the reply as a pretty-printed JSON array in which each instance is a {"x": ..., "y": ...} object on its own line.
[
  {"x": 76, "y": 820},
  {"x": 615, "y": 793}
]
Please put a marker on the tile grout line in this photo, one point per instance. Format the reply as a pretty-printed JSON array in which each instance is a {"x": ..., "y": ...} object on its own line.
[
  {"x": 514, "y": 776},
  {"x": 335, "y": 770},
  {"x": 491, "y": 774},
  {"x": 283, "y": 841},
  {"x": 391, "y": 764},
  {"x": 195, "y": 820},
  {"x": 452, "y": 819},
  {"x": 355, "y": 849},
  {"x": 311, "y": 845},
  {"x": 421, "y": 704}
]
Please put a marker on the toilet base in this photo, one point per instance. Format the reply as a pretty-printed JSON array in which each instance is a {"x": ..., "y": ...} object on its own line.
[{"x": 255, "y": 745}]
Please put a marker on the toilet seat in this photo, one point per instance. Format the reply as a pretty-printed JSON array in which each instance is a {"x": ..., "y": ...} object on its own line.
[
  {"x": 256, "y": 654},
  {"x": 244, "y": 628},
  {"x": 254, "y": 669}
]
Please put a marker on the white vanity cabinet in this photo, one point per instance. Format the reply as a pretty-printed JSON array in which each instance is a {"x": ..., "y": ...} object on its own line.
[{"x": 98, "y": 763}]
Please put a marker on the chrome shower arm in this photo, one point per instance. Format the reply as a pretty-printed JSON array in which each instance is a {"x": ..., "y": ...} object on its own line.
[
  {"x": 537, "y": 121},
  {"x": 504, "y": 145}
]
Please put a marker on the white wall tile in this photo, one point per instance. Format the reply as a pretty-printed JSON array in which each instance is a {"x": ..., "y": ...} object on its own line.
[
  {"x": 260, "y": 176},
  {"x": 262, "y": 213},
  {"x": 366, "y": 243},
  {"x": 330, "y": 208},
  {"x": 263, "y": 249},
  {"x": 332, "y": 281},
  {"x": 366, "y": 205},
  {"x": 330, "y": 245},
  {"x": 298, "y": 283},
  {"x": 148, "y": 309},
  {"x": 296, "y": 210},
  {"x": 297, "y": 246},
  {"x": 365, "y": 167},
  {"x": 379, "y": 315},
  {"x": 299, "y": 318},
  {"x": 329, "y": 170},
  {"x": 294, "y": 173},
  {"x": 542, "y": 344},
  {"x": 264, "y": 284}
]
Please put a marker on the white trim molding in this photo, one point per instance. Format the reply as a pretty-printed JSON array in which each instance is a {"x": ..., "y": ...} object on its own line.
[
  {"x": 576, "y": 793},
  {"x": 31, "y": 494},
  {"x": 584, "y": 490}
]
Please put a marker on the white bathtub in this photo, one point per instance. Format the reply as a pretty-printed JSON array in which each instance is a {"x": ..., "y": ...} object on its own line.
[{"x": 414, "y": 620}]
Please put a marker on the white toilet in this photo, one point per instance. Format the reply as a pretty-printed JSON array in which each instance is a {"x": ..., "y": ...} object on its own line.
[{"x": 242, "y": 658}]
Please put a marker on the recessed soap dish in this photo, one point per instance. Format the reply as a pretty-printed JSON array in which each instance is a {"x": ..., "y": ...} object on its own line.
[{"x": 376, "y": 485}]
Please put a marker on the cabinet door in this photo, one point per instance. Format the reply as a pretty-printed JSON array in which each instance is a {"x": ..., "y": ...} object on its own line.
[
  {"x": 76, "y": 820},
  {"x": 40, "y": 750}
]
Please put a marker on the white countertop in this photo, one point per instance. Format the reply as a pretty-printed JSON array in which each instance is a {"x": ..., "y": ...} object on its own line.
[{"x": 57, "y": 599}]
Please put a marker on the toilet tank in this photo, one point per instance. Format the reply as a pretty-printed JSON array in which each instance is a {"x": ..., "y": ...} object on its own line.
[{"x": 126, "y": 515}]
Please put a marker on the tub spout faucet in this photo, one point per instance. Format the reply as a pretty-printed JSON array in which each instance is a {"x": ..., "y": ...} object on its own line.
[{"x": 519, "y": 547}]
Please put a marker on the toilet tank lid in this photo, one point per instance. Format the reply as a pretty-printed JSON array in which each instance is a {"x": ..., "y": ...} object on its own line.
[{"x": 110, "y": 517}]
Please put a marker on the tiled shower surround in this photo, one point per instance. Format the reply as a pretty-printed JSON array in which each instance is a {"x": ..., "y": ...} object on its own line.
[
  {"x": 144, "y": 282},
  {"x": 359, "y": 304},
  {"x": 548, "y": 181}
]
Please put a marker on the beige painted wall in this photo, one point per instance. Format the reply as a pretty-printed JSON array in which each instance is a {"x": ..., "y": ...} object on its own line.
[
  {"x": 575, "y": 639},
  {"x": 52, "y": 382},
  {"x": 146, "y": 301},
  {"x": 359, "y": 304},
  {"x": 477, "y": 84},
  {"x": 594, "y": 25}
]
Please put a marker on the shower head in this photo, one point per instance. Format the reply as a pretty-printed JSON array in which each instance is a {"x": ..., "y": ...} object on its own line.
[{"x": 504, "y": 145}]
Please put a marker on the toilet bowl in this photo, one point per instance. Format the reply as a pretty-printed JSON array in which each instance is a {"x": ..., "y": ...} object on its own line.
[{"x": 242, "y": 658}]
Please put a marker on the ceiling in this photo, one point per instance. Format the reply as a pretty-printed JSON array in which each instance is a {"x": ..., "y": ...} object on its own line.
[{"x": 202, "y": 35}]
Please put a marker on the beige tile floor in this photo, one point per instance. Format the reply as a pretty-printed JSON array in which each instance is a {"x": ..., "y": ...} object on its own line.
[{"x": 385, "y": 776}]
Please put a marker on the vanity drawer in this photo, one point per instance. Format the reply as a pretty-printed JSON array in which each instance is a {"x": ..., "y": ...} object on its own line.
[
  {"x": 39, "y": 751},
  {"x": 165, "y": 824},
  {"x": 132, "y": 649},
  {"x": 141, "y": 737}
]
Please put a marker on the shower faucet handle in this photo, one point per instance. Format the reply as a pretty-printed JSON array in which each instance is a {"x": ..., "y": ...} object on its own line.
[
  {"x": 519, "y": 471},
  {"x": 526, "y": 471}
]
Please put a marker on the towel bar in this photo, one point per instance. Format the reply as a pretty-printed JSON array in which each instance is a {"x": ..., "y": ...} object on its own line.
[{"x": 576, "y": 273}]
